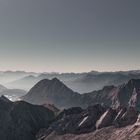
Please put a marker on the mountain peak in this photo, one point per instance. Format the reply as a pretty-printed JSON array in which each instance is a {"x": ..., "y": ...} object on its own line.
[
  {"x": 55, "y": 79},
  {"x": 52, "y": 91},
  {"x": 3, "y": 98}
]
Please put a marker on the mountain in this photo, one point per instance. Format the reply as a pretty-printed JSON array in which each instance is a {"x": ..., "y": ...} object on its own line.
[
  {"x": 21, "y": 121},
  {"x": 28, "y": 81},
  {"x": 55, "y": 92},
  {"x": 4, "y": 99},
  {"x": 127, "y": 94},
  {"x": 24, "y": 83},
  {"x": 9, "y": 76},
  {"x": 79, "y": 82},
  {"x": 95, "y": 122},
  {"x": 91, "y": 82}
]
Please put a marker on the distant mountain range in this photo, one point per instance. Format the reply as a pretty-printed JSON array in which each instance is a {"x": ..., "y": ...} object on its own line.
[
  {"x": 55, "y": 92},
  {"x": 78, "y": 82},
  {"x": 9, "y": 76}
]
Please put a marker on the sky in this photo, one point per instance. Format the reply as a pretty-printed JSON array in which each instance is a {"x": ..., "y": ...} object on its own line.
[{"x": 69, "y": 35}]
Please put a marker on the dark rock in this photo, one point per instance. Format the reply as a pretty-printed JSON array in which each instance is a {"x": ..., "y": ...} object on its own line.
[
  {"x": 21, "y": 120},
  {"x": 3, "y": 98},
  {"x": 77, "y": 121},
  {"x": 129, "y": 117},
  {"x": 106, "y": 119},
  {"x": 66, "y": 112}
]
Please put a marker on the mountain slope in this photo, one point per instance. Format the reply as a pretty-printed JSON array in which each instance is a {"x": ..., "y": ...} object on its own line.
[
  {"x": 79, "y": 82},
  {"x": 92, "y": 82},
  {"x": 21, "y": 120},
  {"x": 110, "y": 133},
  {"x": 94, "y": 123},
  {"x": 53, "y": 92}
]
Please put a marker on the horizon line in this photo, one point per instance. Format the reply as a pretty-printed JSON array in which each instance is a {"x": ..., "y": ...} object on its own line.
[{"x": 26, "y": 71}]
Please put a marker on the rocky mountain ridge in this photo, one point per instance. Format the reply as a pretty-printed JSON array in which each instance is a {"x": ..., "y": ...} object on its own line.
[
  {"x": 55, "y": 92},
  {"x": 76, "y": 123},
  {"x": 21, "y": 120}
]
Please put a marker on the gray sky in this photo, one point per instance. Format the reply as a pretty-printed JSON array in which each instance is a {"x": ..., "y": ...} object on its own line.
[{"x": 69, "y": 35}]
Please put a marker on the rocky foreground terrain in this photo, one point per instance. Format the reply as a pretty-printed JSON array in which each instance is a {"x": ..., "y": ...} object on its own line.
[
  {"x": 96, "y": 122},
  {"x": 109, "y": 133},
  {"x": 23, "y": 121}
]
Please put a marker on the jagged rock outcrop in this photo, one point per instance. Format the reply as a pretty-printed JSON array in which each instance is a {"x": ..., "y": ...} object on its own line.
[
  {"x": 21, "y": 120},
  {"x": 106, "y": 119},
  {"x": 128, "y": 94},
  {"x": 76, "y": 121},
  {"x": 129, "y": 117}
]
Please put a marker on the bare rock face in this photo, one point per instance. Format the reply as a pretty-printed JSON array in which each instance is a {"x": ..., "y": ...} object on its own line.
[
  {"x": 120, "y": 112},
  {"x": 108, "y": 133},
  {"x": 106, "y": 119},
  {"x": 21, "y": 120},
  {"x": 128, "y": 118},
  {"x": 78, "y": 121},
  {"x": 128, "y": 94}
]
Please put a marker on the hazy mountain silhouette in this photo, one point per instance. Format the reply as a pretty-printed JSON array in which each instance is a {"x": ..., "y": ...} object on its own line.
[
  {"x": 54, "y": 91},
  {"x": 9, "y": 76},
  {"x": 79, "y": 82}
]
